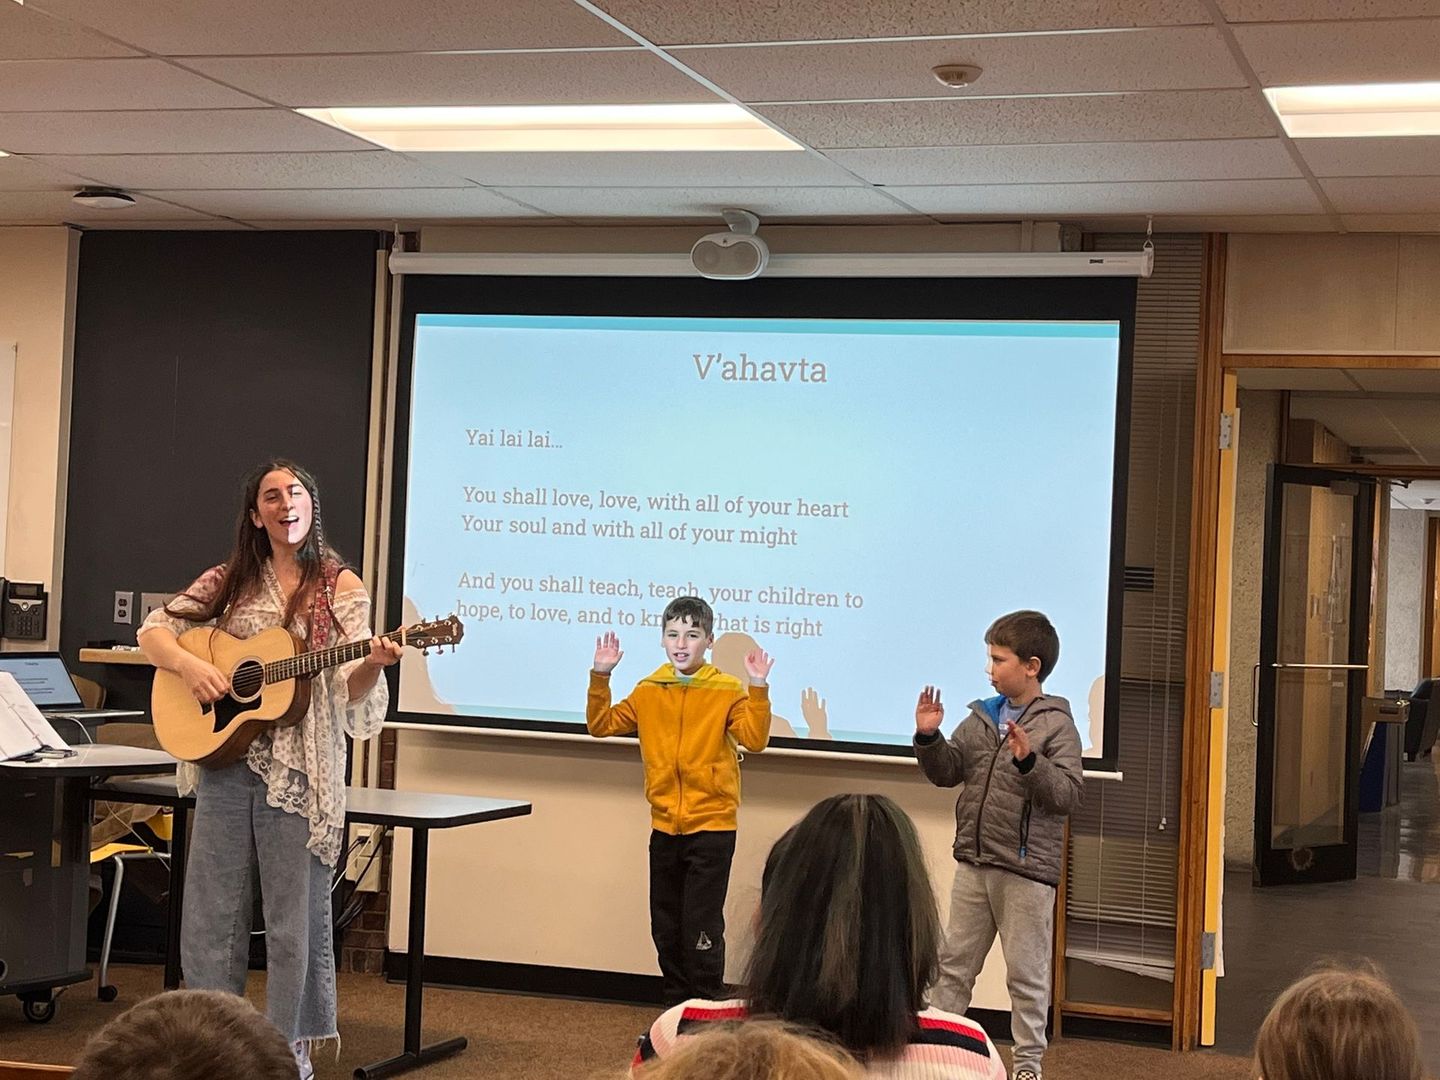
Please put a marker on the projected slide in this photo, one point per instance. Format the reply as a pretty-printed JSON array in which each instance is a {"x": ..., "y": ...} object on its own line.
[{"x": 860, "y": 498}]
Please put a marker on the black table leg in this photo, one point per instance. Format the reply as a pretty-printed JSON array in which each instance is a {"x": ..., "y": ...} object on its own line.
[
  {"x": 415, "y": 1055},
  {"x": 179, "y": 825}
]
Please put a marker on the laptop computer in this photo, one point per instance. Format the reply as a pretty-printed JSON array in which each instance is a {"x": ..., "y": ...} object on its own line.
[{"x": 46, "y": 681}]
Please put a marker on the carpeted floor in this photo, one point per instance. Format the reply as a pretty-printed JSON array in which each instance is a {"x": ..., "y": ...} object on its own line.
[{"x": 517, "y": 1038}]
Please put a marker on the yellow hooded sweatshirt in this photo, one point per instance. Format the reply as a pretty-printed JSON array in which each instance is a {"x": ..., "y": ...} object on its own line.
[{"x": 688, "y": 730}]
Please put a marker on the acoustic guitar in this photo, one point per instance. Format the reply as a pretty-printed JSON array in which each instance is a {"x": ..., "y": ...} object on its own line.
[{"x": 270, "y": 686}]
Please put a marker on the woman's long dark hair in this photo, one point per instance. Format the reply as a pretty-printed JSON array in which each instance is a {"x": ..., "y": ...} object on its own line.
[
  {"x": 244, "y": 568},
  {"x": 849, "y": 933}
]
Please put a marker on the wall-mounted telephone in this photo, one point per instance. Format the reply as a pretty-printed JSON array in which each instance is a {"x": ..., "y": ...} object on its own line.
[{"x": 23, "y": 607}]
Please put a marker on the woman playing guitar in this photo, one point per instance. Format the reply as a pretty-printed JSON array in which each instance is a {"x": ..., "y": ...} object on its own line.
[{"x": 278, "y": 812}]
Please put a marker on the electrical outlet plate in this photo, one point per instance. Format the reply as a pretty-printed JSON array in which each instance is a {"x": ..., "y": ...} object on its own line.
[
  {"x": 149, "y": 601},
  {"x": 124, "y": 607},
  {"x": 368, "y": 880}
]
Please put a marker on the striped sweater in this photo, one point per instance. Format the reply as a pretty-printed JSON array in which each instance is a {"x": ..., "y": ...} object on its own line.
[{"x": 943, "y": 1047}]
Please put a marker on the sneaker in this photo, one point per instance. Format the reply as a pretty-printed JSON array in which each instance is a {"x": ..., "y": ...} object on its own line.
[
  {"x": 302, "y": 1060},
  {"x": 1026, "y": 1074}
]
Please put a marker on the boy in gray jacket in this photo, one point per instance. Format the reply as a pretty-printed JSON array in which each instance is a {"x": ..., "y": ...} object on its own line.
[{"x": 1017, "y": 757}]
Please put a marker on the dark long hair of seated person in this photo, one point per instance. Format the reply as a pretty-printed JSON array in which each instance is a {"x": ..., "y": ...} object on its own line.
[{"x": 849, "y": 934}]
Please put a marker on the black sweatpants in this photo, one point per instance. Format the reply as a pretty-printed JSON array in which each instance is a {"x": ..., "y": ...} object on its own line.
[{"x": 689, "y": 877}]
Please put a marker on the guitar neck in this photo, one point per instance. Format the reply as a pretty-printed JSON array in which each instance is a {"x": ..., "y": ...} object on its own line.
[{"x": 310, "y": 663}]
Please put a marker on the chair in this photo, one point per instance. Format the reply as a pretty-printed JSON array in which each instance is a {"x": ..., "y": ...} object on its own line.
[
  {"x": 160, "y": 825},
  {"x": 1424, "y": 722},
  {"x": 92, "y": 693},
  {"x": 117, "y": 819}
]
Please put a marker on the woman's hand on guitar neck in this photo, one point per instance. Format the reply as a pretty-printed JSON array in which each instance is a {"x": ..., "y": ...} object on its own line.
[
  {"x": 383, "y": 652},
  {"x": 204, "y": 680}
]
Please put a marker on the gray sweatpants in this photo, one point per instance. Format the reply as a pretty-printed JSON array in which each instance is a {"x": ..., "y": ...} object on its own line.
[
  {"x": 985, "y": 899},
  {"x": 237, "y": 836}
]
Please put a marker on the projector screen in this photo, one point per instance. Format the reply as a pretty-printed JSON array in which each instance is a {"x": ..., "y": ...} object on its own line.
[{"x": 858, "y": 496}]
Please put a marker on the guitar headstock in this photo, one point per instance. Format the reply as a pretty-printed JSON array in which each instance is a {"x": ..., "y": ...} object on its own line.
[{"x": 433, "y": 633}]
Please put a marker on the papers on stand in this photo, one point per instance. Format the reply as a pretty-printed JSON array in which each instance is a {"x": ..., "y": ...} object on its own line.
[{"x": 23, "y": 730}]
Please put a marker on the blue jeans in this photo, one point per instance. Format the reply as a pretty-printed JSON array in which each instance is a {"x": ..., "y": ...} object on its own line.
[{"x": 237, "y": 835}]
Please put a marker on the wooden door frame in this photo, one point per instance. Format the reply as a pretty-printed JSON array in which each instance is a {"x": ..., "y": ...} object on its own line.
[
  {"x": 1199, "y": 732},
  {"x": 1429, "y": 660}
]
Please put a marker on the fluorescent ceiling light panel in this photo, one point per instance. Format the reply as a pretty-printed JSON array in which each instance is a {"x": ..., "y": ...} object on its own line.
[
  {"x": 539, "y": 128},
  {"x": 1334, "y": 112}
]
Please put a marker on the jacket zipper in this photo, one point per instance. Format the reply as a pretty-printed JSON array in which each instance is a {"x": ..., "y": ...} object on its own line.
[
  {"x": 985, "y": 791},
  {"x": 679, "y": 775}
]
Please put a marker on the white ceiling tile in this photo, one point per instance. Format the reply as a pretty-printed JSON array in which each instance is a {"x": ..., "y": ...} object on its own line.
[
  {"x": 1390, "y": 380},
  {"x": 58, "y": 85},
  {"x": 1291, "y": 379},
  {"x": 1180, "y": 114},
  {"x": 1385, "y": 194},
  {"x": 705, "y": 203},
  {"x": 1173, "y": 197},
  {"x": 56, "y": 208},
  {"x": 1297, "y": 54},
  {"x": 338, "y": 169},
  {"x": 788, "y": 168},
  {"x": 392, "y": 204},
  {"x": 1403, "y": 223},
  {"x": 29, "y": 34},
  {"x": 702, "y": 21},
  {"x": 259, "y": 27},
  {"x": 23, "y": 174},
  {"x": 1175, "y": 58},
  {"x": 1200, "y": 159},
  {"x": 1419, "y": 156},
  {"x": 1238, "y": 11},
  {"x": 620, "y": 77},
  {"x": 197, "y": 131}
]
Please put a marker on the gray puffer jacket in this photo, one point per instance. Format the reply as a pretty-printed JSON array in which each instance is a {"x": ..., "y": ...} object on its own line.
[{"x": 1005, "y": 817}]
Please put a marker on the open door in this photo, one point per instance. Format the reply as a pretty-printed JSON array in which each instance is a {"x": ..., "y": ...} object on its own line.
[{"x": 1314, "y": 645}]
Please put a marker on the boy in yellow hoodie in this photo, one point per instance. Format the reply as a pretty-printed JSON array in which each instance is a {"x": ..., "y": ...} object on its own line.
[{"x": 689, "y": 716}]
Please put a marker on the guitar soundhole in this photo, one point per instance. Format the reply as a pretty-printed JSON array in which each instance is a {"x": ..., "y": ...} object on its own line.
[{"x": 247, "y": 680}]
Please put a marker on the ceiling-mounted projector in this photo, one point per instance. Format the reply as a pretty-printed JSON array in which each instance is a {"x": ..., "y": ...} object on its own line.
[{"x": 734, "y": 255}]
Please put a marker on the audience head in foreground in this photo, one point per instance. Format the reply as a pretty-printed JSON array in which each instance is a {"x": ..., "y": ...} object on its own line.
[
  {"x": 758, "y": 1050},
  {"x": 849, "y": 934},
  {"x": 1338, "y": 1025},
  {"x": 846, "y": 945},
  {"x": 188, "y": 1035}
]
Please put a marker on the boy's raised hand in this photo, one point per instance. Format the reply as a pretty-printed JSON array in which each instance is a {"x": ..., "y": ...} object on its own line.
[
  {"x": 1019, "y": 740},
  {"x": 757, "y": 665},
  {"x": 607, "y": 652},
  {"x": 929, "y": 713}
]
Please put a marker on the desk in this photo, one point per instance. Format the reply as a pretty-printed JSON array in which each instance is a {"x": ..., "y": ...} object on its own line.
[
  {"x": 44, "y": 882},
  {"x": 133, "y": 657},
  {"x": 417, "y": 811},
  {"x": 420, "y": 812}
]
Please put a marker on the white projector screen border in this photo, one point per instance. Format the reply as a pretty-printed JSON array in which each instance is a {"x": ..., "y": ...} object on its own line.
[{"x": 1015, "y": 300}]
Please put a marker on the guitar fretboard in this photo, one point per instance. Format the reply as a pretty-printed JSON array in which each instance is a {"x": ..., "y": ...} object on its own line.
[{"x": 310, "y": 663}]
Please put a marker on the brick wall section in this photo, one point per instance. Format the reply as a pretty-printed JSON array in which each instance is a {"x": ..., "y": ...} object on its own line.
[{"x": 362, "y": 950}]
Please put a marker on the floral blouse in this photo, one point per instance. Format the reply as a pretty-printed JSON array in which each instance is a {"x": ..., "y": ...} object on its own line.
[{"x": 303, "y": 766}]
